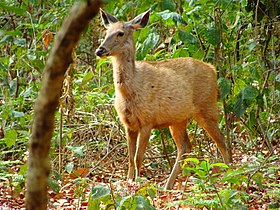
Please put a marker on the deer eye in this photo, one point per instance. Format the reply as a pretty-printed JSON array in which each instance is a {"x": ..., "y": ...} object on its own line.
[{"x": 120, "y": 34}]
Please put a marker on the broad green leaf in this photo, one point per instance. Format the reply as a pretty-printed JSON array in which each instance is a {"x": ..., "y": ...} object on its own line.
[
  {"x": 152, "y": 192},
  {"x": 168, "y": 5},
  {"x": 249, "y": 92},
  {"x": 10, "y": 137},
  {"x": 239, "y": 106},
  {"x": 252, "y": 119},
  {"x": 252, "y": 44},
  {"x": 211, "y": 35},
  {"x": 149, "y": 43},
  {"x": 57, "y": 175},
  {"x": 21, "y": 42},
  {"x": 277, "y": 78},
  {"x": 187, "y": 38},
  {"x": 53, "y": 185},
  {"x": 17, "y": 114},
  {"x": 182, "y": 52},
  {"x": 238, "y": 85},
  {"x": 87, "y": 77},
  {"x": 224, "y": 85},
  {"x": 258, "y": 178},
  {"x": 204, "y": 165},
  {"x": 192, "y": 2},
  {"x": 69, "y": 167},
  {"x": 143, "y": 203},
  {"x": 171, "y": 18},
  {"x": 195, "y": 160},
  {"x": 9, "y": 33},
  {"x": 17, "y": 10},
  {"x": 77, "y": 150},
  {"x": 222, "y": 165},
  {"x": 225, "y": 195},
  {"x": 23, "y": 169},
  {"x": 100, "y": 191},
  {"x": 194, "y": 10}
]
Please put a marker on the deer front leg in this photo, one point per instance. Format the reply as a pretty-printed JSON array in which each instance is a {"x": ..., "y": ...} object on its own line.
[
  {"x": 131, "y": 146},
  {"x": 142, "y": 141}
]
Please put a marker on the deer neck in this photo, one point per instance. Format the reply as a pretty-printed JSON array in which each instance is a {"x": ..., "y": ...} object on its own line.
[{"x": 124, "y": 72}]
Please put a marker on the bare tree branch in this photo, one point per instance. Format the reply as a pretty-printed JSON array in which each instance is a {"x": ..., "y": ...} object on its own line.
[{"x": 48, "y": 98}]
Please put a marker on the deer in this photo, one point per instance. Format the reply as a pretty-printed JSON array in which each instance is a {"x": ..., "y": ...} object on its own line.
[{"x": 159, "y": 94}]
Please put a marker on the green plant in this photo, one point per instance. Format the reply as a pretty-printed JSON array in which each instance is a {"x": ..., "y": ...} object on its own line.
[{"x": 104, "y": 197}]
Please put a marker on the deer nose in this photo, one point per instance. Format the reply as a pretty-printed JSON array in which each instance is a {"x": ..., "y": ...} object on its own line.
[{"x": 100, "y": 51}]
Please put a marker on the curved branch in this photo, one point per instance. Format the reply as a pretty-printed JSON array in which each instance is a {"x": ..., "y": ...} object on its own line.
[{"x": 47, "y": 102}]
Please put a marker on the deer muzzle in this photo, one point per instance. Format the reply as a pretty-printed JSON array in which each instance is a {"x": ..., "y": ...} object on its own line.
[{"x": 101, "y": 52}]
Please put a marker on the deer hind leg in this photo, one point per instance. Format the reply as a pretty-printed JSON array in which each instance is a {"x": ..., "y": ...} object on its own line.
[
  {"x": 183, "y": 145},
  {"x": 209, "y": 121},
  {"x": 142, "y": 141},
  {"x": 131, "y": 145}
]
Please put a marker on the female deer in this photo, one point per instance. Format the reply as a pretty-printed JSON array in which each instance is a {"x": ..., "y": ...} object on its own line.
[{"x": 167, "y": 93}]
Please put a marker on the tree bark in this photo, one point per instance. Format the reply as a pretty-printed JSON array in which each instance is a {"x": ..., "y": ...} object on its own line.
[{"x": 47, "y": 102}]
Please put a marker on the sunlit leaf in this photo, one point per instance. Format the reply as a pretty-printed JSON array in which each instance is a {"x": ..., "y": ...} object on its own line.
[
  {"x": 99, "y": 191},
  {"x": 10, "y": 137},
  {"x": 87, "y": 77},
  {"x": 69, "y": 167}
]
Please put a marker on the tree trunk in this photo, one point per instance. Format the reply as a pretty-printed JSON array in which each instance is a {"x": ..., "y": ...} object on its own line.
[{"x": 48, "y": 98}]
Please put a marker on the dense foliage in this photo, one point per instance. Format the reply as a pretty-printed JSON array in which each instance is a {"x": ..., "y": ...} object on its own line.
[{"x": 240, "y": 37}]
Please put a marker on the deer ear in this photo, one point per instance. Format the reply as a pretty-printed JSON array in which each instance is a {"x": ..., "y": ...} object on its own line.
[
  {"x": 107, "y": 18},
  {"x": 141, "y": 20}
]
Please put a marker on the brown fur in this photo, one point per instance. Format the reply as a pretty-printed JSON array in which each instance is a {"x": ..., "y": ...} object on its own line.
[{"x": 167, "y": 93}]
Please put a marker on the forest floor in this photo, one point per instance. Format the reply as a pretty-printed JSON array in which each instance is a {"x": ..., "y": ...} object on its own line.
[
  {"x": 73, "y": 189},
  {"x": 106, "y": 162}
]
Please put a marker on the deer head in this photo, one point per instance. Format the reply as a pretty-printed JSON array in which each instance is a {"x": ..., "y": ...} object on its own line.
[{"x": 119, "y": 37}]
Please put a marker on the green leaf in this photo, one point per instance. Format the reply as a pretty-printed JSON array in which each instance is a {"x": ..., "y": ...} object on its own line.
[
  {"x": 168, "y": 5},
  {"x": 187, "y": 38},
  {"x": 249, "y": 92},
  {"x": 17, "y": 10},
  {"x": 77, "y": 150},
  {"x": 87, "y": 77},
  {"x": 69, "y": 167},
  {"x": 194, "y": 10},
  {"x": 53, "y": 185},
  {"x": 100, "y": 191},
  {"x": 171, "y": 18},
  {"x": 242, "y": 100},
  {"x": 17, "y": 114},
  {"x": 239, "y": 107},
  {"x": 23, "y": 170},
  {"x": 224, "y": 85},
  {"x": 149, "y": 43},
  {"x": 195, "y": 160},
  {"x": 152, "y": 193},
  {"x": 143, "y": 203},
  {"x": 258, "y": 178},
  {"x": 211, "y": 35},
  {"x": 182, "y": 52},
  {"x": 10, "y": 137},
  {"x": 192, "y": 2},
  {"x": 222, "y": 165},
  {"x": 252, "y": 44},
  {"x": 252, "y": 119},
  {"x": 205, "y": 166}
]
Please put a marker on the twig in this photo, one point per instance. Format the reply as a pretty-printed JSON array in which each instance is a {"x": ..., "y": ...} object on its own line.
[
  {"x": 95, "y": 166},
  {"x": 165, "y": 151}
]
